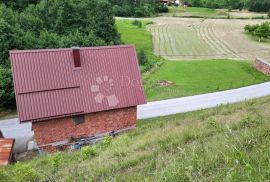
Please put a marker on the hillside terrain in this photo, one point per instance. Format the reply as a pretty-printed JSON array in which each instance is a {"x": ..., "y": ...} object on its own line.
[
  {"x": 186, "y": 77},
  {"x": 227, "y": 143}
]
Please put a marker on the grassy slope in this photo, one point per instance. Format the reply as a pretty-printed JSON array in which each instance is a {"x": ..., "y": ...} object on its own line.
[
  {"x": 142, "y": 39},
  {"x": 131, "y": 34},
  {"x": 195, "y": 12},
  {"x": 198, "y": 77},
  {"x": 190, "y": 77},
  {"x": 227, "y": 143}
]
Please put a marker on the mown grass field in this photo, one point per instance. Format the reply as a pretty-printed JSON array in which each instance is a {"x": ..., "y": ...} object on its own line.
[
  {"x": 189, "y": 77},
  {"x": 187, "y": 39},
  {"x": 227, "y": 143},
  {"x": 197, "y": 77}
]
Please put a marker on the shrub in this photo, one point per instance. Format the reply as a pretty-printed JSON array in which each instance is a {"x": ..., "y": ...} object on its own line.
[
  {"x": 163, "y": 9},
  {"x": 143, "y": 60},
  {"x": 261, "y": 31},
  {"x": 250, "y": 121},
  {"x": 212, "y": 122},
  {"x": 56, "y": 159},
  {"x": 24, "y": 172},
  {"x": 106, "y": 141},
  {"x": 88, "y": 151},
  {"x": 268, "y": 15},
  {"x": 251, "y": 28},
  {"x": 137, "y": 23},
  {"x": 7, "y": 96}
]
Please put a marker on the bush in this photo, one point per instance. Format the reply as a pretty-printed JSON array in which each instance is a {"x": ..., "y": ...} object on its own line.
[
  {"x": 143, "y": 60},
  {"x": 137, "y": 23},
  {"x": 7, "y": 96},
  {"x": 24, "y": 172},
  {"x": 260, "y": 31},
  {"x": 88, "y": 151},
  {"x": 106, "y": 141},
  {"x": 124, "y": 10},
  {"x": 163, "y": 9},
  {"x": 56, "y": 159},
  {"x": 268, "y": 15},
  {"x": 251, "y": 28}
]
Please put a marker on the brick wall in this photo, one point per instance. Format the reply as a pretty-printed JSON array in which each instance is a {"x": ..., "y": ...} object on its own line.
[
  {"x": 262, "y": 66},
  {"x": 56, "y": 130}
]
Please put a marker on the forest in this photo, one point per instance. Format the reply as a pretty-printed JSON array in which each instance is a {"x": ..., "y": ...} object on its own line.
[
  {"x": 137, "y": 8},
  {"x": 28, "y": 24}
]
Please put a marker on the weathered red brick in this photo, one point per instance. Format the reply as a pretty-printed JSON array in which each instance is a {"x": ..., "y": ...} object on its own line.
[
  {"x": 262, "y": 66},
  {"x": 60, "y": 129}
]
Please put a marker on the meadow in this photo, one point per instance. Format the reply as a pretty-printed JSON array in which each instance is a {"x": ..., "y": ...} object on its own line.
[
  {"x": 188, "y": 39},
  {"x": 187, "y": 77},
  {"x": 197, "y": 77},
  {"x": 200, "y": 12},
  {"x": 226, "y": 143}
]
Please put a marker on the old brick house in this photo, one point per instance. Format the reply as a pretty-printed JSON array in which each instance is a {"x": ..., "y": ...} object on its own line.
[{"x": 76, "y": 92}]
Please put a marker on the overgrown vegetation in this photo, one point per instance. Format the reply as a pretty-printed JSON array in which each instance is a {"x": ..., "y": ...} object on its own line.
[
  {"x": 51, "y": 24},
  {"x": 138, "y": 8},
  {"x": 226, "y": 143},
  {"x": 261, "y": 31}
]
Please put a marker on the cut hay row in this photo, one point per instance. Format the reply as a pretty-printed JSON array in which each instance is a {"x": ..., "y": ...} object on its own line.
[
  {"x": 182, "y": 39},
  {"x": 221, "y": 45}
]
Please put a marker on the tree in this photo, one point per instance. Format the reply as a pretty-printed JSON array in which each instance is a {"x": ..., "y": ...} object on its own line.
[
  {"x": 7, "y": 96},
  {"x": 51, "y": 24},
  {"x": 263, "y": 31},
  {"x": 143, "y": 60}
]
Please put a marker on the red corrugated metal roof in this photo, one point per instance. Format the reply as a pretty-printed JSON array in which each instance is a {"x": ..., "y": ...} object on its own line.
[
  {"x": 6, "y": 146},
  {"x": 48, "y": 85}
]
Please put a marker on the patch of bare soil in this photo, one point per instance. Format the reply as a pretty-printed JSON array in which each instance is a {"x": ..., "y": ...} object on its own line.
[{"x": 165, "y": 83}]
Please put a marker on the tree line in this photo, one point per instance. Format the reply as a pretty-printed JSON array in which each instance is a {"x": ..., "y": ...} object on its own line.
[
  {"x": 252, "y": 5},
  {"x": 29, "y": 24},
  {"x": 137, "y": 8}
]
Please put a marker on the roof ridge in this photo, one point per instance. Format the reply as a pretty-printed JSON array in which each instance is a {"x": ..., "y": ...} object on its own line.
[{"x": 68, "y": 49}]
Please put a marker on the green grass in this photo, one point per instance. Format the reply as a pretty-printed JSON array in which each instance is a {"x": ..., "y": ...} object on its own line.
[
  {"x": 227, "y": 143},
  {"x": 140, "y": 38},
  {"x": 201, "y": 10},
  {"x": 189, "y": 77},
  {"x": 195, "y": 12},
  {"x": 131, "y": 34},
  {"x": 197, "y": 77}
]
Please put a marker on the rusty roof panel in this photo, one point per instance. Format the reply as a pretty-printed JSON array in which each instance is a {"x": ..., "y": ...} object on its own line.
[
  {"x": 47, "y": 84},
  {"x": 6, "y": 147}
]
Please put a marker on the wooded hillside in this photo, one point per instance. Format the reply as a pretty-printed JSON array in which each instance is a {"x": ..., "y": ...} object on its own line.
[{"x": 28, "y": 24}]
